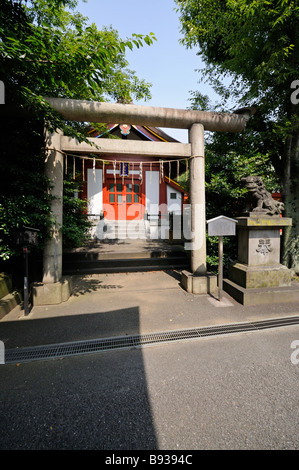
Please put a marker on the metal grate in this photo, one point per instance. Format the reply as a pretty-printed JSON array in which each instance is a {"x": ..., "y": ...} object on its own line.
[{"x": 52, "y": 351}]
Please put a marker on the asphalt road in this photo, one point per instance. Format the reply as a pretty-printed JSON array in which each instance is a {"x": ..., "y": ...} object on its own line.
[{"x": 229, "y": 392}]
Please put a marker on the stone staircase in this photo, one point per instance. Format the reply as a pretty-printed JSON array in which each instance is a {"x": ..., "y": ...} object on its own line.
[
  {"x": 118, "y": 229},
  {"x": 124, "y": 229},
  {"x": 112, "y": 256}
]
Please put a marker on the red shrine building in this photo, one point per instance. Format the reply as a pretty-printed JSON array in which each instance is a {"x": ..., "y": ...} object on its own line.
[{"x": 133, "y": 194}]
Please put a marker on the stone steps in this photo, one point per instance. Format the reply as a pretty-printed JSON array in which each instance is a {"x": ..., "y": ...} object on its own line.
[
  {"x": 124, "y": 229},
  {"x": 123, "y": 261}
]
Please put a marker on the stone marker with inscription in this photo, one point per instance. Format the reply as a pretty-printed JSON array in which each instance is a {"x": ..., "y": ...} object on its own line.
[{"x": 258, "y": 277}]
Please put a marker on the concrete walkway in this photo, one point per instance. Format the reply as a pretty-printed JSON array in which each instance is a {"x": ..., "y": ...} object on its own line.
[{"x": 118, "y": 304}]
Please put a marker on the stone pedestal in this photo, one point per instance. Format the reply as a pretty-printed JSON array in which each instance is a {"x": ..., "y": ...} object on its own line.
[
  {"x": 258, "y": 277},
  {"x": 52, "y": 293},
  {"x": 205, "y": 284}
]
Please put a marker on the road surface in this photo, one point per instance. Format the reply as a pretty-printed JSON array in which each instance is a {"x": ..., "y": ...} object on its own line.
[{"x": 238, "y": 391}]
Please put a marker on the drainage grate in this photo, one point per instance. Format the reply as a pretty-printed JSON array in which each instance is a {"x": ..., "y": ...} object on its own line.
[{"x": 59, "y": 350}]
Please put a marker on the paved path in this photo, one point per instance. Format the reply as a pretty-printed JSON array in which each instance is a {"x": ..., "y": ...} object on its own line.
[{"x": 106, "y": 305}]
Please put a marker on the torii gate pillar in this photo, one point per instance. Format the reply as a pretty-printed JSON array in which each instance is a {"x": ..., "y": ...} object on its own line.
[
  {"x": 198, "y": 281},
  {"x": 52, "y": 258},
  {"x": 54, "y": 289},
  {"x": 197, "y": 199}
]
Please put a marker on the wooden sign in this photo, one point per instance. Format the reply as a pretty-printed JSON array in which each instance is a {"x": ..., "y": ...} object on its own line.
[{"x": 221, "y": 226}]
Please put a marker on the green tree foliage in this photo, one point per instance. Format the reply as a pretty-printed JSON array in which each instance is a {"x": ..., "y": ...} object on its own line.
[
  {"x": 228, "y": 160},
  {"x": 24, "y": 200},
  {"x": 46, "y": 49},
  {"x": 49, "y": 49},
  {"x": 250, "y": 51},
  {"x": 76, "y": 225}
]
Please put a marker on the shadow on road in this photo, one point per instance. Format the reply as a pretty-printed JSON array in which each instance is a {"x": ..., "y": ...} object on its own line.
[{"x": 94, "y": 401}]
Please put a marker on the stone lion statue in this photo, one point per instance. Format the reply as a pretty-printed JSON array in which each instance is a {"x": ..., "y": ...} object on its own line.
[{"x": 260, "y": 197}]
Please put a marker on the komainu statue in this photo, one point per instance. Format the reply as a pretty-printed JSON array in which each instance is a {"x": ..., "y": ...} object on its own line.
[{"x": 260, "y": 197}]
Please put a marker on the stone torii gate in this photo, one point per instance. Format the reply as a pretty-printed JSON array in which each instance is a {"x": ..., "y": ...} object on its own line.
[{"x": 55, "y": 289}]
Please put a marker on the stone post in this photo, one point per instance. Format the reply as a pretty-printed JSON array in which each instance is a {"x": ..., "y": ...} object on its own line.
[
  {"x": 197, "y": 199},
  {"x": 198, "y": 281},
  {"x": 54, "y": 289},
  {"x": 52, "y": 259}
]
